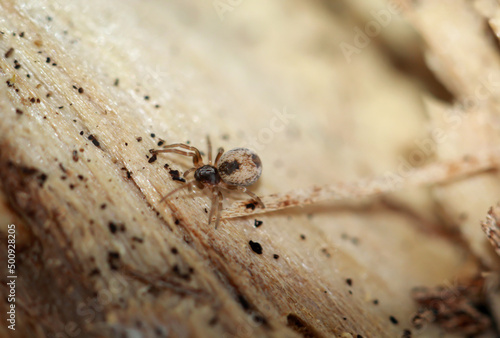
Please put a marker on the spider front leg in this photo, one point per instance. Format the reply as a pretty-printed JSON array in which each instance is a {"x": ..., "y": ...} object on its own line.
[
  {"x": 213, "y": 206},
  {"x": 219, "y": 209},
  {"x": 216, "y": 207},
  {"x": 192, "y": 152},
  {"x": 189, "y": 171},
  {"x": 186, "y": 185},
  {"x": 209, "y": 146},
  {"x": 220, "y": 151}
]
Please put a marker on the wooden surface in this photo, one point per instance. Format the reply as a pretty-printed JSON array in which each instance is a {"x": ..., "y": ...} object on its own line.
[{"x": 86, "y": 86}]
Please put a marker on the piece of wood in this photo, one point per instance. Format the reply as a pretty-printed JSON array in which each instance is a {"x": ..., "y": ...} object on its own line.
[{"x": 87, "y": 88}]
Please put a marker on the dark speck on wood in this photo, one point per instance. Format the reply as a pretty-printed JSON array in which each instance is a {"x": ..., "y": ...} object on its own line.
[
  {"x": 250, "y": 206},
  {"x": 113, "y": 260},
  {"x": 393, "y": 320},
  {"x": 152, "y": 159},
  {"x": 176, "y": 176},
  {"x": 9, "y": 53},
  {"x": 94, "y": 140},
  {"x": 256, "y": 247}
]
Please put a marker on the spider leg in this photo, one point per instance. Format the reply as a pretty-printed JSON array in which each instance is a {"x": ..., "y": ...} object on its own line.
[
  {"x": 187, "y": 172},
  {"x": 197, "y": 159},
  {"x": 219, "y": 209},
  {"x": 181, "y": 145},
  {"x": 220, "y": 151},
  {"x": 209, "y": 144},
  {"x": 186, "y": 185},
  {"x": 213, "y": 206},
  {"x": 246, "y": 191}
]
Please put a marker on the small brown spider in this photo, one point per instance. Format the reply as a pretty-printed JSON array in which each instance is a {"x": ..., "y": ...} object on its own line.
[{"x": 234, "y": 170}]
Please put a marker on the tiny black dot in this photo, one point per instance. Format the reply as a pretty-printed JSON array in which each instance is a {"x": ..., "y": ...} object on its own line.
[
  {"x": 153, "y": 135},
  {"x": 112, "y": 227},
  {"x": 393, "y": 320},
  {"x": 9, "y": 53},
  {"x": 258, "y": 223},
  {"x": 275, "y": 256},
  {"x": 256, "y": 247},
  {"x": 95, "y": 272},
  {"x": 113, "y": 260},
  {"x": 349, "y": 281},
  {"x": 302, "y": 237},
  {"x": 94, "y": 140},
  {"x": 152, "y": 159},
  {"x": 250, "y": 206}
]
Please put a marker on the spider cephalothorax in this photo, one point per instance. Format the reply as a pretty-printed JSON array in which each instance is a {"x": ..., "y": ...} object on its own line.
[{"x": 234, "y": 170}]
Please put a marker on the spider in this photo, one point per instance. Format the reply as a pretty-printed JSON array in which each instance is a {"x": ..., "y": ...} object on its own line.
[{"x": 235, "y": 169}]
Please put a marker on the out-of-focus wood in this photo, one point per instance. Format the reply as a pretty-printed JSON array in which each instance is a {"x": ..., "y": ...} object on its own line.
[
  {"x": 435, "y": 173},
  {"x": 87, "y": 84}
]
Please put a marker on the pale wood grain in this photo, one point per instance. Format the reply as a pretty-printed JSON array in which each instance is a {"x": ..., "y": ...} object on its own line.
[{"x": 102, "y": 256}]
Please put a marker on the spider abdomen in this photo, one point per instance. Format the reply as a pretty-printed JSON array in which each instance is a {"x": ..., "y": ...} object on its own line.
[{"x": 240, "y": 166}]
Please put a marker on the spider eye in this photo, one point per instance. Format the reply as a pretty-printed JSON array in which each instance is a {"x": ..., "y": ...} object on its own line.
[{"x": 240, "y": 166}]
